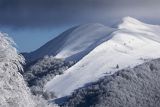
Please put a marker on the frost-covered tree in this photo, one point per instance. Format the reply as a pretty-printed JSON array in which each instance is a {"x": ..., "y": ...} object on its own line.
[
  {"x": 43, "y": 70},
  {"x": 130, "y": 87},
  {"x": 13, "y": 89}
]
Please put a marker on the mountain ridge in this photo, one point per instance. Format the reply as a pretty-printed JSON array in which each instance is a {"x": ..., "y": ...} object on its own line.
[
  {"x": 72, "y": 44},
  {"x": 128, "y": 46}
]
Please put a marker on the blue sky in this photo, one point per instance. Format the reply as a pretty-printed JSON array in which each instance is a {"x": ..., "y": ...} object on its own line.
[
  {"x": 28, "y": 40},
  {"x": 31, "y": 23}
]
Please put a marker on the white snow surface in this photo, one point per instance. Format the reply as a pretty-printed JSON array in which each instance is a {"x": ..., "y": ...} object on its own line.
[
  {"x": 74, "y": 43},
  {"x": 131, "y": 44}
]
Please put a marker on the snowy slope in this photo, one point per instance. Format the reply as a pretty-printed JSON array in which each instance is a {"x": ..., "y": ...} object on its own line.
[
  {"x": 131, "y": 44},
  {"x": 74, "y": 43}
]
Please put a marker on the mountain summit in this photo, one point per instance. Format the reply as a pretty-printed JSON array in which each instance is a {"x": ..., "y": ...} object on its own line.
[
  {"x": 99, "y": 51},
  {"x": 131, "y": 44}
]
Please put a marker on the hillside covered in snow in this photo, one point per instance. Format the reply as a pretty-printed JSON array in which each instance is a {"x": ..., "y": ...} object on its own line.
[
  {"x": 130, "y": 44},
  {"x": 74, "y": 43},
  {"x": 102, "y": 56},
  {"x": 131, "y": 87}
]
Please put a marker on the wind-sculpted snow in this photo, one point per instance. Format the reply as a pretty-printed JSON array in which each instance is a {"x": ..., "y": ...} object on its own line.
[
  {"x": 131, "y": 44},
  {"x": 137, "y": 87},
  {"x": 74, "y": 43},
  {"x": 13, "y": 90}
]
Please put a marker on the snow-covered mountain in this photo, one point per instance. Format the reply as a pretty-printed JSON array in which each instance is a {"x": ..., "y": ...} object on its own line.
[
  {"x": 128, "y": 45},
  {"x": 74, "y": 43}
]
